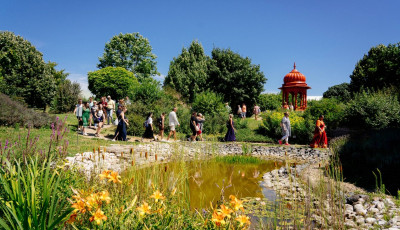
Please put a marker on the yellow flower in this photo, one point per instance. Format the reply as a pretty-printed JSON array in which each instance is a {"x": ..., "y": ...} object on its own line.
[
  {"x": 98, "y": 216},
  {"x": 79, "y": 206},
  {"x": 114, "y": 178},
  {"x": 173, "y": 191},
  {"x": 144, "y": 209},
  {"x": 157, "y": 196},
  {"x": 243, "y": 220},
  {"x": 225, "y": 211},
  {"x": 236, "y": 203},
  {"x": 93, "y": 199},
  {"x": 218, "y": 218},
  {"x": 105, "y": 196},
  {"x": 105, "y": 174}
]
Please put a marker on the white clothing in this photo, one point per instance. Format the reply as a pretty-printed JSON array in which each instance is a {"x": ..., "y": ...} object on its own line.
[
  {"x": 172, "y": 127},
  {"x": 79, "y": 108},
  {"x": 149, "y": 121},
  {"x": 173, "y": 120}
]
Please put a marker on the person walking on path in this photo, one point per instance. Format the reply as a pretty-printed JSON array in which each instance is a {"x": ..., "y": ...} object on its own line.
[
  {"x": 320, "y": 139},
  {"x": 286, "y": 130},
  {"x": 161, "y": 126},
  {"x": 244, "y": 110},
  {"x": 78, "y": 112},
  {"x": 148, "y": 133},
  {"x": 100, "y": 118},
  {"x": 120, "y": 133},
  {"x": 85, "y": 117},
  {"x": 91, "y": 104},
  {"x": 256, "y": 111},
  {"x": 173, "y": 122},
  {"x": 239, "y": 112},
  {"x": 193, "y": 126},
  {"x": 110, "y": 109},
  {"x": 200, "y": 119},
  {"x": 230, "y": 134}
]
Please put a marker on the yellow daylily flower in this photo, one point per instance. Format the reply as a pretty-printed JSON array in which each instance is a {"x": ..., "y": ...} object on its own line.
[
  {"x": 114, "y": 177},
  {"x": 105, "y": 196},
  {"x": 144, "y": 208},
  {"x": 98, "y": 216},
  {"x": 218, "y": 218},
  {"x": 157, "y": 196},
  {"x": 105, "y": 174},
  {"x": 236, "y": 203},
  {"x": 243, "y": 220},
  {"x": 79, "y": 206},
  {"x": 225, "y": 211}
]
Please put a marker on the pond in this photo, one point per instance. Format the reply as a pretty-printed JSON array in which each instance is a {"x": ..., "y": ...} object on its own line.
[{"x": 214, "y": 180}]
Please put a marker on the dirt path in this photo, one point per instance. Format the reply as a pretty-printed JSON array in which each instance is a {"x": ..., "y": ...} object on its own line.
[{"x": 107, "y": 133}]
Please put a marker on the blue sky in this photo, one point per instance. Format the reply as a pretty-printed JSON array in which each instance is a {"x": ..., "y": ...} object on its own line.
[{"x": 324, "y": 38}]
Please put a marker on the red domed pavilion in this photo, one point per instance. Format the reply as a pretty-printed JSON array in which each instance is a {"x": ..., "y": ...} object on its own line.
[{"x": 294, "y": 84}]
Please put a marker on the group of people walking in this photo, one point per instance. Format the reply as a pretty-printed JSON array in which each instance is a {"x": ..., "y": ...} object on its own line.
[{"x": 98, "y": 113}]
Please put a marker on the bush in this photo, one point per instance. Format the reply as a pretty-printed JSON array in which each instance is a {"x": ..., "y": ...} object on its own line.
[
  {"x": 66, "y": 97},
  {"x": 13, "y": 113},
  {"x": 149, "y": 91},
  {"x": 116, "y": 82},
  {"x": 373, "y": 111},
  {"x": 332, "y": 109},
  {"x": 269, "y": 101},
  {"x": 302, "y": 129},
  {"x": 209, "y": 103},
  {"x": 135, "y": 127}
]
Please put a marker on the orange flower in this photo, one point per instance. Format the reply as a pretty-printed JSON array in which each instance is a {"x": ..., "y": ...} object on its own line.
[
  {"x": 225, "y": 211},
  {"x": 98, "y": 216},
  {"x": 93, "y": 199},
  {"x": 157, "y": 196},
  {"x": 218, "y": 218},
  {"x": 144, "y": 208},
  {"x": 243, "y": 220},
  {"x": 79, "y": 206},
  {"x": 236, "y": 203},
  {"x": 114, "y": 178},
  {"x": 105, "y": 196},
  {"x": 72, "y": 218},
  {"x": 105, "y": 174}
]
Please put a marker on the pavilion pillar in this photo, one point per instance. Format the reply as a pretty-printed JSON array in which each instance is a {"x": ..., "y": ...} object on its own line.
[{"x": 295, "y": 101}]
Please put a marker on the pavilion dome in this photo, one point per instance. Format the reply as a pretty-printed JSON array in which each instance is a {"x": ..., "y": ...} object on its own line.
[{"x": 294, "y": 76}]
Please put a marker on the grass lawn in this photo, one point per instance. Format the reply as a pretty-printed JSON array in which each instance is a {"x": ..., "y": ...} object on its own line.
[{"x": 77, "y": 143}]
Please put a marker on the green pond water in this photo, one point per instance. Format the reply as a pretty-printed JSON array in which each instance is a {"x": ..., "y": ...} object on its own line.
[{"x": 210, "y": 180}]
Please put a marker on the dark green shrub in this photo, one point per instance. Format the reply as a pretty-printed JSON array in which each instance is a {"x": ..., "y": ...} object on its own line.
[
  {"x": 66, "y": 97},
  {"x": 332, "y": 109},
  {"x": 13, "y": 112},
  {"x": 209, "y": 103},
  {"x": 135, "y": 127},
  {"x": 340, "y": 92},
  {"x": 269, "y": 101},
  {"x": 149, "y": 91},
  {"x": 373, "y": 111}
]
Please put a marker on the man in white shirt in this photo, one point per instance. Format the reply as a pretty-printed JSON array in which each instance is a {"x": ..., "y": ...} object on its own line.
[
  {"x": 173, "y": 121},
  {"x": 110, "y": 109}
]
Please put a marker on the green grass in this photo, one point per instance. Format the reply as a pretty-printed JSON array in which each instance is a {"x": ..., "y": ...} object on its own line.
[
  {"x": 238, "y": 159},
  {"x": 77, "y": 143}
]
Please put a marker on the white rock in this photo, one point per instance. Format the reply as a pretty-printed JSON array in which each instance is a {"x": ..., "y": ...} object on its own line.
[
  {"x": 382, "y": 222},
  {"x": 349, "y": 207},
  {"x": 390, "y": 202},
  {"x": 350, "y": 224},
  {"x": 359, "y": 209},
  {"x": 374, "y": 210},
  {"x": 370, "y": 220},
  {"x": 379, "y": 205},
  {"x": 360, "y": 220}
]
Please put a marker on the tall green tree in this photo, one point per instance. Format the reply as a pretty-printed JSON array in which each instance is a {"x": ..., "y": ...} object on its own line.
[
  {"x": 114, "y": 81},
  {"x": 378, "y": 69},
  {"x": 66, "y": 97},
  {"x": 340, "y": 92},
  {"x": 188, "y": 73},
  {"x": 24, "y": 72},
  {"x": 235, "y": 77},
  {"x": 132, "y": 52}
]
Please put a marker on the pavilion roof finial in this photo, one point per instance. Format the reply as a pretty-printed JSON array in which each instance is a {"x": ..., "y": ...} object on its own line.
[{"x": 294, "y": 66}]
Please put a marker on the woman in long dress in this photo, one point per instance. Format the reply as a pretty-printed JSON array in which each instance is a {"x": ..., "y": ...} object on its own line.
[
  {"x": 319, "y": 140},
  {"x": 148, "y": 133},
  {"x": 85, "y": 117},
  {"x": 286, "y": 129},
  {"x": 122, "y": 124},
  {"x": 230, "y": 135}
]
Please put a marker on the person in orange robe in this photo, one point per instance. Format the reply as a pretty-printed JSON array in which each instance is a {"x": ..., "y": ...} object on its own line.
[{"x": 319, "y": 140}]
